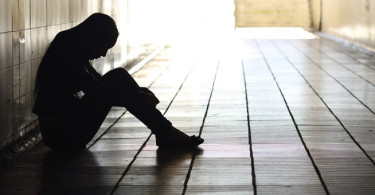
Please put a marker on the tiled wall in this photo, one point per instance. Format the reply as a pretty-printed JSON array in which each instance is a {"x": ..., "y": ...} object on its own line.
[
  {"x": 351, "y": 19},
  {"x": 26, "y": 29}
]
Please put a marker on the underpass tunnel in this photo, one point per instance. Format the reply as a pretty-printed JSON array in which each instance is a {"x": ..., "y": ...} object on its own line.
[{"x": 317, "y": 37}]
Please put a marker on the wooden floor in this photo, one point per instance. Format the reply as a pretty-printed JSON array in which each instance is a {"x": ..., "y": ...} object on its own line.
[{"x": 279, "y": 116}]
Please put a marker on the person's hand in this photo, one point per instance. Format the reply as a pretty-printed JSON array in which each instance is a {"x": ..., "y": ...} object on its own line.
[{"x": 148, "y": 97}]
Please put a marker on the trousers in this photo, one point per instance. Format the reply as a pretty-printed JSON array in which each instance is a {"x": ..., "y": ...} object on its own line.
[{"x": 76, "y": 127}]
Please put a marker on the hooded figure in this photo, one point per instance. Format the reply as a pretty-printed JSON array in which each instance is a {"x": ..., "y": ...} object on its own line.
[{"x": 73, "y": 99}]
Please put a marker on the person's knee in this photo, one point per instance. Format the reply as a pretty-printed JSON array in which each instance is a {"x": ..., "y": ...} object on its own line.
[
  {"x": 119, "y": 78},
  {"x": 118, "y": 72},
  {"x": 116, "y": 75}
]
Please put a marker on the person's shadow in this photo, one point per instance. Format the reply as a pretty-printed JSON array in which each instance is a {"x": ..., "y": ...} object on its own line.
[
  {"x": 35, "y": 170},
  {"x": 171, "y": 169},
  {"x": 72, "y": 172}
]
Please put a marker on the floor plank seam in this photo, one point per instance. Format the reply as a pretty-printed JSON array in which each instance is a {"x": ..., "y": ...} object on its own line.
[
  {"x": 296, "y": 126},
  {"x": 280, "y": 115},
  {"x": 348, "y": 69},
  {"x": 200, "y": 132},
  {"x": 354, "y": 46},
  {"x": 145, "y": 143},
  {"x": 129, "y": 165},
  {"x": 249, "y": 132},
  {"x": 338, "y": 120}
]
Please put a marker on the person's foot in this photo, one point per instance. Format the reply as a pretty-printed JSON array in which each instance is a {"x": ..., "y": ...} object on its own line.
[{"x": 176, "y": 138}]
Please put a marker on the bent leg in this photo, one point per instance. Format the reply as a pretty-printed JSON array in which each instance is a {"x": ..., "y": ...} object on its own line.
[
  {"x": 122, "y": 90},
  {"x": 118, "y": 88}
]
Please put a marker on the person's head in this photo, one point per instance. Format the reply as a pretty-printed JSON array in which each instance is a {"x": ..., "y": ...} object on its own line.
[{"x": 99, "y": 33}]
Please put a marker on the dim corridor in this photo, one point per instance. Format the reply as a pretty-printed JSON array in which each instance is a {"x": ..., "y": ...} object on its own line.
[{"x": 279, "y": 115}]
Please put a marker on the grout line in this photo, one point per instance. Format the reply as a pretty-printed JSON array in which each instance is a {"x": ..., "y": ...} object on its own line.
[
  {"x": 347, "y": 131},
  {"x": 200, "y": 132},
  {"x": 249, "y": 132},
  {"x": 296, "y": 126}
]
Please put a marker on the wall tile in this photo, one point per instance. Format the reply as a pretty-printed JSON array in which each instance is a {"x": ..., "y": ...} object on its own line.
[
  {"x": 34, "y": 70},
  {"x": 64, "y": 11},
  {"x": 22, "y": 113},
  {"x": 115, "y": 13},
  {"x": 15, "y": 15},
  {"x": 16, "y": 48},
  {"x": 38, "y": 42},
  {"x": 25, "y": 46},
  {"x": 92, "y": 7},
  {"x": 5, "y": 16},
  {"x": 74, "y": 11},
  {"x": 20, "y": 14},
  {"x": 6, "y": 78},
  {"x": 84, "y": 9},
  {"x": 66, "y": 26},
  {"x": 25, "y": 78},
  {"x": 53, "y": 12},
  {"x": 105, "y": 7},
  {"x": 29, "y": 116},
  {"x": 38, "y": 13},
  {"x": 34, "y": 43},
  {"x": 42, "y": 41},
  {"x": 16, "y": 82},
  {"x": 52, "y": 32},
  {"x": 5, "y": 50},
  {"x": 24, "y": 7}
]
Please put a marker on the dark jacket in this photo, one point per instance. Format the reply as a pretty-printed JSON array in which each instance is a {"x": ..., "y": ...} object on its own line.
[{"x": 61, "y": 74}]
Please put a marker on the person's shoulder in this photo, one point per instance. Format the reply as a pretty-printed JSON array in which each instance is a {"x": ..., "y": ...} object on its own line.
[
  {"x": 61, "y": 36},
  {"x": 62, "y": 41}
]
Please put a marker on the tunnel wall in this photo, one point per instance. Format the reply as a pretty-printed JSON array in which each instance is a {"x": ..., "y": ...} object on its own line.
[
  {"x": 352, "y": 20},
  {"x": 272, "y": 13}
]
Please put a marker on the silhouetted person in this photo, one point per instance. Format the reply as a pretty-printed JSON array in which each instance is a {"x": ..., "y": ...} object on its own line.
[{"x": 72, "y": 99}]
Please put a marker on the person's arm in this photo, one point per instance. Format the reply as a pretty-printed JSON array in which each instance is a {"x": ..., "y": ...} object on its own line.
[{"x": 84, "y": 76}]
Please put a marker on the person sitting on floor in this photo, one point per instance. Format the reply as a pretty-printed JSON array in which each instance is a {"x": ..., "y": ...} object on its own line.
[{"x": 73, "y": 99}]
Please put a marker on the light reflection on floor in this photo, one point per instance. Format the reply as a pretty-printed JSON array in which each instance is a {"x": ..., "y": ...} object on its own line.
[{"x": 274, "y": 33}]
